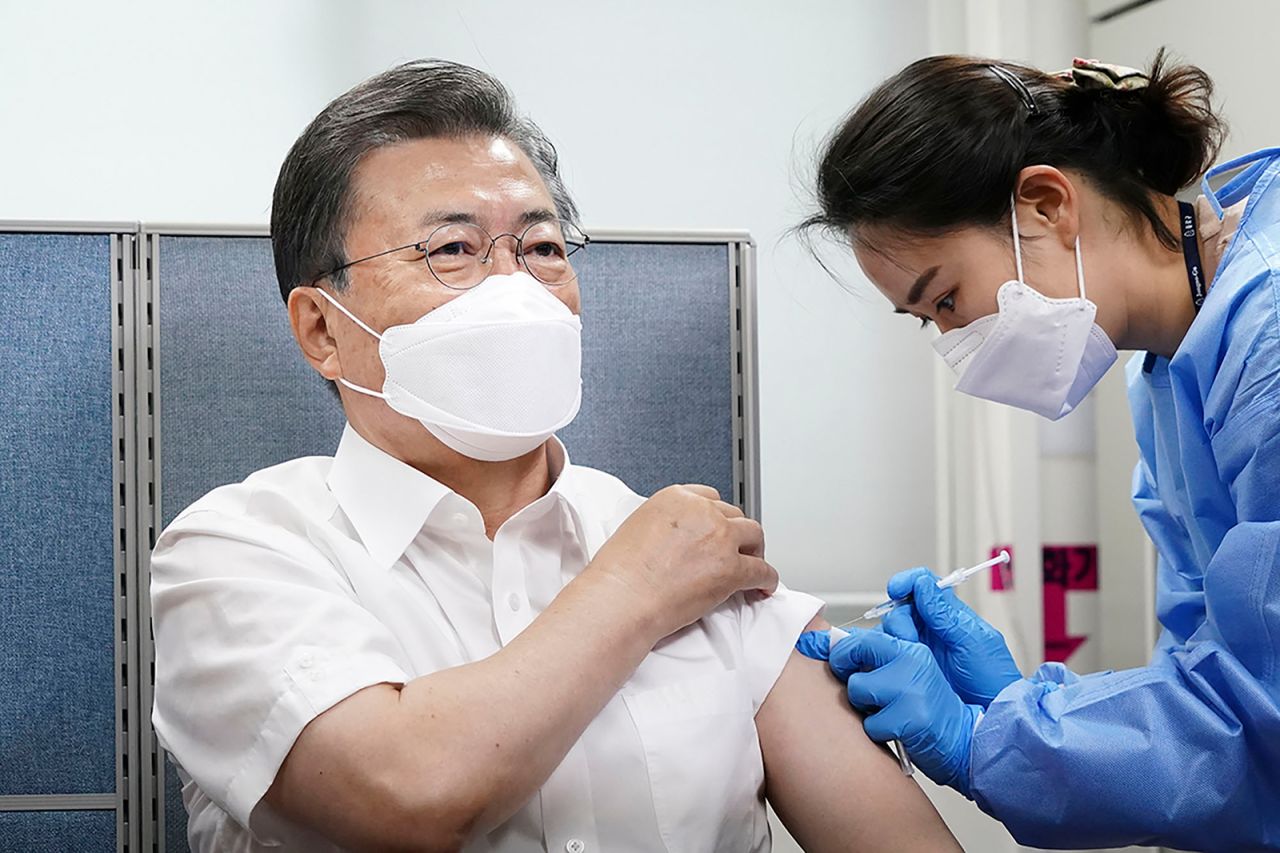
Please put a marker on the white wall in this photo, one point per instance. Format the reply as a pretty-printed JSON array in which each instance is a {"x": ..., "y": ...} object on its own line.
[
  {"x": 667, "y": 114},
  {"x": 1232, "y": 40}
]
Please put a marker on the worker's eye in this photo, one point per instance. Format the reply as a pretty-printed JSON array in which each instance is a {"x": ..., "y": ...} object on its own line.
[{"x": 946, "y": 303}]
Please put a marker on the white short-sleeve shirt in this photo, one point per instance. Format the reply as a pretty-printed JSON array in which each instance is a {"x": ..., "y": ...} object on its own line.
[{"x": 278, "y": 597}]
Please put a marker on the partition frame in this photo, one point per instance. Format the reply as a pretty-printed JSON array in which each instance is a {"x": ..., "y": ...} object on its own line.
[
  {"x": 146, "y": 355},
  {"x": 125, "y": 799}
]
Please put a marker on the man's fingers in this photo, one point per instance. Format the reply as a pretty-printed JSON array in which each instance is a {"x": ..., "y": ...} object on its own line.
[
  {"x": 863, "y": 650},
  {"x": 749, "y": 536},
  {"x": 729, "y": 510},
  {"x": 757, "y": 574},
  {"x": 702, "y": 491}
]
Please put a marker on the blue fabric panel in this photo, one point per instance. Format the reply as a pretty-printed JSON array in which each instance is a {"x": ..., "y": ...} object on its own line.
[
  {"x": 657, "y": 374},
  {"x": 236, "y": 394},
  {"x": 58, "y": 832},
  {"x": 175, "y": 813},
  {"x": 57, "y": 653}
]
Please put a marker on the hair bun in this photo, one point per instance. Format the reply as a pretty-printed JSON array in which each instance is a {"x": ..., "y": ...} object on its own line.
[{"x": 1161, "y": 121}]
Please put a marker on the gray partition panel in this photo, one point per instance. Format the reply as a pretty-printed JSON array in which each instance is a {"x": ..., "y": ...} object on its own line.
[
  {"x": 235, "y": 392},
  {"x": 58, "y": 832},
  {"x": 57, "y": 633},
  {"x": 175, "y": 813},
  {"x": 657, "y": 403}
]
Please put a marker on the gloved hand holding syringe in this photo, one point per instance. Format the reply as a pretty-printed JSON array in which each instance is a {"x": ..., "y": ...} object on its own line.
[{"x": 956, "y": 578}]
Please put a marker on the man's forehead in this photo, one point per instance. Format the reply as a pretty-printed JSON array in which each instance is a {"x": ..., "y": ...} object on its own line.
[
  {"x": 450, "y": 179},
  {"x": 445, "y": 159}
]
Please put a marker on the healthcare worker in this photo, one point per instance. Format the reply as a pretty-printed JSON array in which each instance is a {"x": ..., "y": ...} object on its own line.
[{"x": 1032, "y": 218}]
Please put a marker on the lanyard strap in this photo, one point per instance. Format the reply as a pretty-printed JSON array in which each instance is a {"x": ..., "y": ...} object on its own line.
[
  {"x": 1195, "y": 269},
  {"x": 1191, "y": 254}
]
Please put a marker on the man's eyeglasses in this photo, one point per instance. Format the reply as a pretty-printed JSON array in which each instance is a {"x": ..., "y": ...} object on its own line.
[{"x": 458, "y": 254}]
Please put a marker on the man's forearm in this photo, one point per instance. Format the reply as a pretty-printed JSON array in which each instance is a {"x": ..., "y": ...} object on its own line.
[
  {"x": 505, "y": 723},
  {"x": 454, "y": 753}
]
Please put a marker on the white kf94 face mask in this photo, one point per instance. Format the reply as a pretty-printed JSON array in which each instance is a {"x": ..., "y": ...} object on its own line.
[
  {"x": 1036, "y": 353},
  {"x": 492, "y": 373}
]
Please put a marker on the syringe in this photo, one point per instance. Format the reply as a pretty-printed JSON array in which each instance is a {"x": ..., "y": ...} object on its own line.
[{"x": 956, "y": 578}]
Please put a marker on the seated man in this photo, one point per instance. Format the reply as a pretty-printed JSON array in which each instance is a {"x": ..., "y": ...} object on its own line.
[{"x": 448, "y": 636}]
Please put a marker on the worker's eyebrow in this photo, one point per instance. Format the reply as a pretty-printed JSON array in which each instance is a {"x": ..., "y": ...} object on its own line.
[{"x": 917, "y": 289}]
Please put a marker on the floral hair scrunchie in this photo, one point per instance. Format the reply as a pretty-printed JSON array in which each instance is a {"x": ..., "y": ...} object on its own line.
[{"x": 1092, "y": 74}]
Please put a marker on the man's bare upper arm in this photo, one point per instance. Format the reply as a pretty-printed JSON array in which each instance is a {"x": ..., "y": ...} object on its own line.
[{"x": 832, "y": 786}]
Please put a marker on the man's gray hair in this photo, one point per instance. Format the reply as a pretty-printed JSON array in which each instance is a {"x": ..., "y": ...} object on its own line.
[{"x": 427, "y": 98}]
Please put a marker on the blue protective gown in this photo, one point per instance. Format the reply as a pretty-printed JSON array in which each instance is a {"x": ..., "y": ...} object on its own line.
[{"x": 1184, "y": 752}]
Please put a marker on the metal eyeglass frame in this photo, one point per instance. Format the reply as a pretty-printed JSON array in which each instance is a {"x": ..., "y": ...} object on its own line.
[{"x": 572, "y": 246}]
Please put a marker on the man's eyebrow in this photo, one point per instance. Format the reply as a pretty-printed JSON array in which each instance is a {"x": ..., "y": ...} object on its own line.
[
  {"x": 532, "y": 217},
  {"x": 445, "y": 217},
  {"x": 917, "y": 289}
]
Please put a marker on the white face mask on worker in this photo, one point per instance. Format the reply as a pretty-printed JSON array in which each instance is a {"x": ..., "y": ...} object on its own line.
[
  {"x": 1037, "y": 353},
  {"x": 493, "y": 373}
]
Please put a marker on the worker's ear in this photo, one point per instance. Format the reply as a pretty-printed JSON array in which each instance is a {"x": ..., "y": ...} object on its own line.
[
  {"x": 308, "y": 316},
  {"x": 1048, "y": 204}
]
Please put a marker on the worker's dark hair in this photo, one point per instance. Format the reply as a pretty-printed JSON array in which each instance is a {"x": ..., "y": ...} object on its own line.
[
  {"x": 939, "y": 145},
  {"x": 422, "y": 99}
]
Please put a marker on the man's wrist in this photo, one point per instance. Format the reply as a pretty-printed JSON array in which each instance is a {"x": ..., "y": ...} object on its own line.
[{"x": 619, "y": 606}]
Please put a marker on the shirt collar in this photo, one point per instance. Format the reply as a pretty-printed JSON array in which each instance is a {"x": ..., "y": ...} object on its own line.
[{"x": 389, "y": 501}]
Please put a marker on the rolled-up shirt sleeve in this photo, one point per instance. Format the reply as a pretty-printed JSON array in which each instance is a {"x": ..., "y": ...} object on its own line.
[{"x": 257, "y": 633}]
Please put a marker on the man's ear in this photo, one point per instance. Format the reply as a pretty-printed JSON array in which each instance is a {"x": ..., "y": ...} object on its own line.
[
  {"x": 310, "y": 323},
  {"x": 1048, "y": 203}
]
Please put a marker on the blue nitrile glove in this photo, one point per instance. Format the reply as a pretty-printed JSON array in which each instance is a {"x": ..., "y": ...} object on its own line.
[
  {"x": 972, "y": 654},
  {"x": 899, "y": 685}
]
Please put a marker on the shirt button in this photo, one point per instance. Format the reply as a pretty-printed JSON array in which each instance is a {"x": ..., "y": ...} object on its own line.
[
  {"x": 459, "y": 519},
  {"x": 575, "y": 845},
  {"x": 306, "y": 661},
  {"x": 514, "y": 601}
]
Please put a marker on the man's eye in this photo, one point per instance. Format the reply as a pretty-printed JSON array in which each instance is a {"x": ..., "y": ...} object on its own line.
[
  {"x": 454, "y": 248},
  {"x": 546, "y": 250}
]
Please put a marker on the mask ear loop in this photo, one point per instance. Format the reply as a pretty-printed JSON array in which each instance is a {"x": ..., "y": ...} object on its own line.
[
  {"x": 1079, "y": 268},
  {"x": 370, "y": 392},
  {"x": 1017, "y": 242},
  {"x": 353, "y": 317}
]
